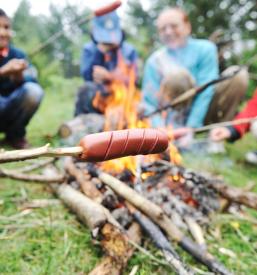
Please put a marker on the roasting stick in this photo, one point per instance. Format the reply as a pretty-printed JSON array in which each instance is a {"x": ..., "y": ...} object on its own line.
[
  {"x": 224, "y": 124},
  {"x": 100, "y": 146},
  {"x": 99, "y": 12}
]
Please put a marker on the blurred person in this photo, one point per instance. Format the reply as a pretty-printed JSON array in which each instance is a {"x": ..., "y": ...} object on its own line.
[
  {"x": 199, "y": 58},
  {"x": 235, "y": 132},
  {"x": 104, "y": 59},
  {"x": 20, "y": 94}
]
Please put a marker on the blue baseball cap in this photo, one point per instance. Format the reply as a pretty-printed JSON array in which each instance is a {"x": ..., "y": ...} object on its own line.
[{"x": 106, "y": 28}]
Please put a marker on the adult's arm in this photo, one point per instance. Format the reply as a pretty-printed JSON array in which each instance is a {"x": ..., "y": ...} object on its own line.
[{"x": 207, "y": 71}]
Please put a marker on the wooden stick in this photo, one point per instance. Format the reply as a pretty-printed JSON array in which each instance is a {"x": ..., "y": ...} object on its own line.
[
  {"x": 236, "y": 194},
  {"x": 35, "y": 165},
  {"x": 44, "y": 151},
  {"x": 31, "y": 178},
  {"x": 224, "y": 124},
  {"x": 86, "y": 185}
]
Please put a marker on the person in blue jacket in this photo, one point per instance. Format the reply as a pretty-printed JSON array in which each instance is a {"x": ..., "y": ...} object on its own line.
[
  {"x": 101, "y": 61},
  {"x": 183, "y": 57},
  {"x": 20, "y": 94}
]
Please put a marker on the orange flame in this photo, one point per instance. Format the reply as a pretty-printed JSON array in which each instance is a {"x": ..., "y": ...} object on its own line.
[{"x": 120, "y": 110}]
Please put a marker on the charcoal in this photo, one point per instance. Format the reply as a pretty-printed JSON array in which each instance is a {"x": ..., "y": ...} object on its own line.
[
  {"x": 97, "y": 182},
  {"x": 74, "y": 184},
  {"x": 110, "y": 200},
  {"x": 123, "y": 216}
]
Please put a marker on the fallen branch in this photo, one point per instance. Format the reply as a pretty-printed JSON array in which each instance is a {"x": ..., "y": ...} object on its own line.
[
  {"x": 35, "y": 166},
  {"x": 162, "y": 243},
  {"x": 4, "y": 173}
]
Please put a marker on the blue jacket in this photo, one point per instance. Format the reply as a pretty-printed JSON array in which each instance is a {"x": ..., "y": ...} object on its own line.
[
  {"x": 92, "y": 56},
  {"x": 6, "y": 85},
  {"x": 199, "y": 57}
]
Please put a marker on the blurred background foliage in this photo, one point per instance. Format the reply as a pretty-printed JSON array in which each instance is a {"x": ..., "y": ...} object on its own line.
[{"x": 231, "y": 24}]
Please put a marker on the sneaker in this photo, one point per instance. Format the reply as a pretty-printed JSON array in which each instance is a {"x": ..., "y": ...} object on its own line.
[{"x": 251, "y": 157}]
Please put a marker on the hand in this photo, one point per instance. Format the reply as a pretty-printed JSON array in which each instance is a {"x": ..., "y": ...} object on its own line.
[
  {"x": 14, "y": 67},
  {"x": 104, "y": 48},
  {"x": 181, "y": 132},
  {"x": 219, "y": 134},
  {"x": 100, "y": 74}
]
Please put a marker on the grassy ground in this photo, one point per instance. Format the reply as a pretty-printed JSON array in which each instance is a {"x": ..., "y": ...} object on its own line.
[{"x": 52, "y": 241}]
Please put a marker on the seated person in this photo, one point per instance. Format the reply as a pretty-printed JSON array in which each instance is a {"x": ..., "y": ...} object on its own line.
[
  {"x": 20, "y": 95},
  {"x": 235, "y": 132},
  {"x": 172, "y": 86},
  {"x": 199, "y": 58},
  {"x": 104, "y": 59}
]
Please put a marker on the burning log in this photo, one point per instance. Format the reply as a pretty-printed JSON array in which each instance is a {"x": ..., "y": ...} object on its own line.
[
  {"x": 162, "y": 243},
  {"x": 236, "y": 194},
  {"x": 83, "y": 124},
  {"x": 159, "y": 217}
]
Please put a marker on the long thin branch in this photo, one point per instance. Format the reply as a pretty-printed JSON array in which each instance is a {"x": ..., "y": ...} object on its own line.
[
  {"x": 224, "y": 124},
  {"x": 44, "y": 151},
  {"x": 31, "y": 177}
]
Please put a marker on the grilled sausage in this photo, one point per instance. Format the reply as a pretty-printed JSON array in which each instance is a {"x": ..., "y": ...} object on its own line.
[{"x": 116, "y": 144}]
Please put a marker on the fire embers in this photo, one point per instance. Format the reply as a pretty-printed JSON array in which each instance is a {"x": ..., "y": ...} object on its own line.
[{"x": 179, "y": 192}]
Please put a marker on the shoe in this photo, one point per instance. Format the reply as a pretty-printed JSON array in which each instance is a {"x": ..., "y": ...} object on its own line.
[{"x": 251, "y": 157}]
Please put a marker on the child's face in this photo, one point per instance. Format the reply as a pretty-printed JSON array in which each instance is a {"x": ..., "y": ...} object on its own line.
[{"x": 5, "y": 32}]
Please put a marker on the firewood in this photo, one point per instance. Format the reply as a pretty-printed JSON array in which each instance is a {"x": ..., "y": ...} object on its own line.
[
  {"x": 236, "y": 194},
  {"x": 162, "y": 243},
  {"x": 12, "y": 174},
  {"x": 85, "y": 124},
  {"x": 100, "y": 220},
  {"x": 117, "y": 248},
  {"x": 87, "y": 186},
  {"x": 155, "y": 213}
]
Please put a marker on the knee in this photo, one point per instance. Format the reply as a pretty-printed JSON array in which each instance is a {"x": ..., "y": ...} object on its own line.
[
  {"x": 241, "y": 78},
  {"x": 33, "y": 95}
]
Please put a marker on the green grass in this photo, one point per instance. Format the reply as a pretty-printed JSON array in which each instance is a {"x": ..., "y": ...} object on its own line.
[{"x": 52, "y": 241}]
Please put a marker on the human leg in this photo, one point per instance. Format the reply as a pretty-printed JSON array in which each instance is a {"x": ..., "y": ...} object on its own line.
[
  {"x": 227, "y": 97},
  {"x": 17, "y": 110},
  {"x": 85, "y": 97}
]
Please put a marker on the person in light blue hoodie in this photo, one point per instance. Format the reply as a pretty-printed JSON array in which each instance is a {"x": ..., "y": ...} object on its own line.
[{"x": 196, "y": 59}]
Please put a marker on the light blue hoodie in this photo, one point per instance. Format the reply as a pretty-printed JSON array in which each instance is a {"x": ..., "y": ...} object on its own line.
[{"x": 200, "y": 58}]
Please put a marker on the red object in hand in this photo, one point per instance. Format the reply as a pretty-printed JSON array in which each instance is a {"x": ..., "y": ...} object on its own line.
[
  {"x": 107, "y": 8},
  {"x": 116, "y": 144}
]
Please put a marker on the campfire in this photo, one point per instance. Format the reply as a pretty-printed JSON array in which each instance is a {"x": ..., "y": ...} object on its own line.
[
  {"x": 122, "y": 199},
  {"x": 153, "y": 192}
]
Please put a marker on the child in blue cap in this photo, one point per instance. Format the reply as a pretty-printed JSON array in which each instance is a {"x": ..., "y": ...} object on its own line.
[{"x": 100, "y": 61}]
